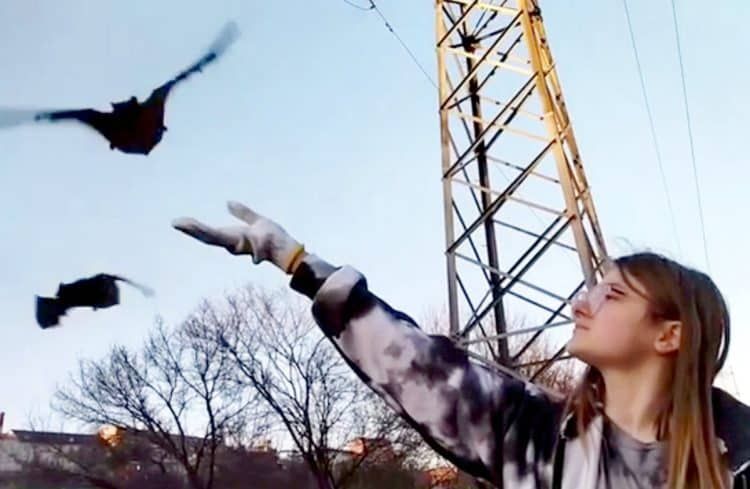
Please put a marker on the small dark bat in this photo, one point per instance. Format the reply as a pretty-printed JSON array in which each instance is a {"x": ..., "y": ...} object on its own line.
[
  {"x": 132, "y": 126},
  {"x": 98, "y": 292}
]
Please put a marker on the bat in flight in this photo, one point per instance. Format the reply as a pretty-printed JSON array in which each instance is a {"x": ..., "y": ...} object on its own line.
[
  {"x": 131, "y": 126},
  {"x": 98, "y": 292}
]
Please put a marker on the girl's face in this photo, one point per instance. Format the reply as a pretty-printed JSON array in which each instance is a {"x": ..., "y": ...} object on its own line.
[{"x": 613, "y": 324}]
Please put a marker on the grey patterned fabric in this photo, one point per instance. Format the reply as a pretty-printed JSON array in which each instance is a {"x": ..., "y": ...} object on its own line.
[{"x": 627, "y": 463}]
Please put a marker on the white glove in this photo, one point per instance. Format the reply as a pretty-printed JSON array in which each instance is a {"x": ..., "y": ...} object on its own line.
[{"x": 261, "y": 238}]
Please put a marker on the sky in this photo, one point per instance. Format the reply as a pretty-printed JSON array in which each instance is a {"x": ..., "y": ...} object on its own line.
[{"x": 317, "y": 118}]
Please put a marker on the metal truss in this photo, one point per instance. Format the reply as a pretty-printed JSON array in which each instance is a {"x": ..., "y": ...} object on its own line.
[{"x": 521, "y": 233}]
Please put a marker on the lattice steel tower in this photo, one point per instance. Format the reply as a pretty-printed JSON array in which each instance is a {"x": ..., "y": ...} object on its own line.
[{"x": 515, "y": 193}]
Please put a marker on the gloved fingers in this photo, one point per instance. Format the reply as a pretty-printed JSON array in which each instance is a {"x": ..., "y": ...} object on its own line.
[
  {"x": 225, "y": 237},
  {"x": 242, "y": 212}
]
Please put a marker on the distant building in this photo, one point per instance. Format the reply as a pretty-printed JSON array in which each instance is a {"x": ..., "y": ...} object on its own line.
[
  {"x": 20, "y": 447},
  {"x": 373, "y": 450}
]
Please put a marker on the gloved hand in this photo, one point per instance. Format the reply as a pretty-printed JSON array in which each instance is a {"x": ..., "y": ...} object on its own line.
[{"x": 261, "y": 238}]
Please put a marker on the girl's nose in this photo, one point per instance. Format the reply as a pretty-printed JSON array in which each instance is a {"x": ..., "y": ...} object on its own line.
[{"x": 580, "y": 306}]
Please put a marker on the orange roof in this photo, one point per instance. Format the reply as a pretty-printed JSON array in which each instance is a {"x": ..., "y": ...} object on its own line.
[{"x": 440, "y": 475}]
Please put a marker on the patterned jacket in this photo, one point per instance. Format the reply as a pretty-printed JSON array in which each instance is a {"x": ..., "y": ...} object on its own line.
[{"x": 490, "y": 425}]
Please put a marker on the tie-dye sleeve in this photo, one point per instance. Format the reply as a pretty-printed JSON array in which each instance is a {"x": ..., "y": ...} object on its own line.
[{"x": 484, "y": 422}]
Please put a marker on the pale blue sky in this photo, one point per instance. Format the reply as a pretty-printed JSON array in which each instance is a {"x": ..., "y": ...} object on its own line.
[{"x": 316, "y": 117}]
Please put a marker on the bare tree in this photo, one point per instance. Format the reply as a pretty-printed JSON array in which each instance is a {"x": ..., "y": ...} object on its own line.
[
  {"x": 178, "y": 394},
  {"x": 413, "y": 452},
  {"x": 279, "y": 353},
  {"x": 560, "y": 376}
]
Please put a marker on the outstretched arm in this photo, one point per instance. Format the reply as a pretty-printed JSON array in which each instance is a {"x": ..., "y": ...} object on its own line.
[{"x": 483, "y": 421}]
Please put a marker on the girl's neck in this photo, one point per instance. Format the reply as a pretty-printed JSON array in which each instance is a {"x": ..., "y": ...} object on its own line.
[{"x": 633, "y": 401}]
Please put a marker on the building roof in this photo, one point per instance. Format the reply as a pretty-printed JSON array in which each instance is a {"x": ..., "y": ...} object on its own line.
[{"x": 52, "y": 438}]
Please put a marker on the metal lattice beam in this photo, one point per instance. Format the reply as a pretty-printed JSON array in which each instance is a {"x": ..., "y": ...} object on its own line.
[{"x": 521, "y": 231}]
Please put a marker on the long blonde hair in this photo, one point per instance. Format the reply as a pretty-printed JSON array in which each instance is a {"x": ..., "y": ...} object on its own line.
[{"x": 677, "y": 293}]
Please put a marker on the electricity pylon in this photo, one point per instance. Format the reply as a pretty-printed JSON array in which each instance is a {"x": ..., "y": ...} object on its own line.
[{"x": 516, "y": 198}]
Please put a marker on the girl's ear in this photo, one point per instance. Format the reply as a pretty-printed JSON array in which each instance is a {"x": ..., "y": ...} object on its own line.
[{"x": 668, "y": 339}]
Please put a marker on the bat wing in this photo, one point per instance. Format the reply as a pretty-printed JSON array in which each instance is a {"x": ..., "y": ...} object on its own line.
[
  {"x": 48, "y": 311},
  {"x": 226, "y": 37},
  {"x": 102, "y": 122},
  {"x": 10, "y": 117},
  {"x": 145, "y": 290}
]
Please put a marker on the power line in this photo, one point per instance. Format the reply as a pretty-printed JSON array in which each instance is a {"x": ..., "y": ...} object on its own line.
[
  {"x": 692, "y": 156},
  {"x": 690, "y": 136},
  {"x": 653, "y": 128},
  {"x": 360, "y": 7},
  {"x": 388, "y": 25}
]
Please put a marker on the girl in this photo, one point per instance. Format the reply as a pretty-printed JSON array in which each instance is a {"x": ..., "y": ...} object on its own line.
[{"x": 653, "y": 334}]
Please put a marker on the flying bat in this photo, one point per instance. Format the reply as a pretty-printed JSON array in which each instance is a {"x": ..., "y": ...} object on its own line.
[
  {"x": 98, "y": 292},
  {"x": 131, "y": 126}
]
